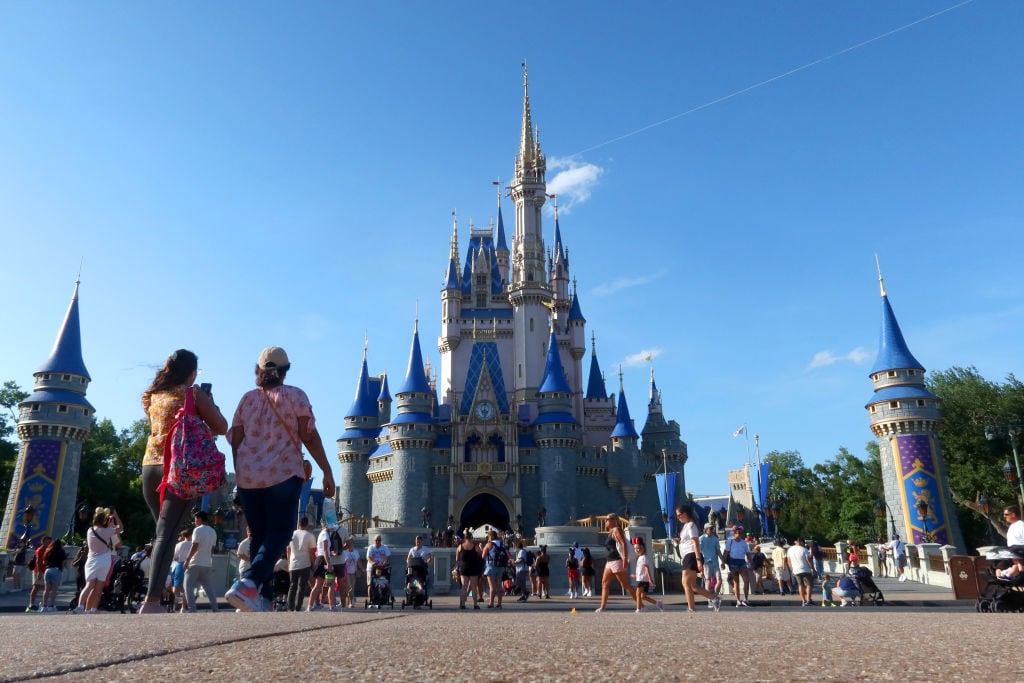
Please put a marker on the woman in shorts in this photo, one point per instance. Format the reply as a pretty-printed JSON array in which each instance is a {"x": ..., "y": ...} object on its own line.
[{"x": 692, "y": 560}]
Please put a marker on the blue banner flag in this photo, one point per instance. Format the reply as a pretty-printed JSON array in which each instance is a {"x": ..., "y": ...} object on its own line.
[{"x": 666, "y": 495}]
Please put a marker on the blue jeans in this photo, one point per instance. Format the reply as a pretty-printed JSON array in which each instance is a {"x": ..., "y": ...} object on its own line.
[{"x": 271, "y": 514}]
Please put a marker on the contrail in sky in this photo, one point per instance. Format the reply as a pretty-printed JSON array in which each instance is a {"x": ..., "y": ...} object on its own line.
[{"x": 763, "y": 83}]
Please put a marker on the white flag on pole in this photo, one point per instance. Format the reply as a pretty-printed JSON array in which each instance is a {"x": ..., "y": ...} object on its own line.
[{"x": 740, "y": 431}]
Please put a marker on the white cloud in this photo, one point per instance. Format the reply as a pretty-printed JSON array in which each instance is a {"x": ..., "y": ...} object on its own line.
[
  {"x": 643, "y": 357},
  {"x": 825, "y": 358},
  {"x": 572, "y": 182},
  {"x": 626, "y": 283}
]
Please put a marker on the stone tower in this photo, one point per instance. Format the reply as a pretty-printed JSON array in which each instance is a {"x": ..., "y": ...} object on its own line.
[
  {"x": 557, "y": 437},
  {"x": 904, "y": 418},
  {"x": 52, "y": 424}
]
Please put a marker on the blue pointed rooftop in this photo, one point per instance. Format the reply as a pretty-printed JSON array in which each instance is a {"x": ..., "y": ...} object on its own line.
[
  {"x": 502, "y": 244},
  {"x": 623, "y": 422},
  {"x": 384, "y": 394},
  {"x": 559, "y": 251},
  {"x": 554, "y": 374},
  {"x": 595, "y": 385},
  {"x": 365, "y": 402},
  {"x": 415, "y": 376},
  {"x": 893, "y": 353},
  {"x": 452, "y": 281},
  {"x": 576, "y": 313},
  {"x": 66, "y": 356}
]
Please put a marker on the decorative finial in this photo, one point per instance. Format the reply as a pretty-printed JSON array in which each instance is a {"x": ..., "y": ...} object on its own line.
[
  {"x": 498, "y": 191},
  {"x": 593, "y": 343},
  {"x": 881, "y": 282},
  {"x": 525, "y": 76},
  {"x": 366, "y": 343},
  {"x": 416, "y": 324},
  {"x": 621, "y": 386}
]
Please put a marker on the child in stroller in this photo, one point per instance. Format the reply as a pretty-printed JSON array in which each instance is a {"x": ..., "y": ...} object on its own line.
[
  {"x": 866, "y": 586},
  {"x": 1002, "y": 593},
  {"x": 380, "y": 587},
  {"x": 416, "y": 585}
]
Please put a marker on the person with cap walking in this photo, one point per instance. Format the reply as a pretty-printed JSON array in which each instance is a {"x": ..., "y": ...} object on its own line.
[
  {"x": 270, "y": 426},
  {"x": 710, "y": 550},
  {"x": 898, "y": 549}
]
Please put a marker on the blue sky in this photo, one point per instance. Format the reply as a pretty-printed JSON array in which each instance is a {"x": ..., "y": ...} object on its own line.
[{"x": 236, "y": 175}]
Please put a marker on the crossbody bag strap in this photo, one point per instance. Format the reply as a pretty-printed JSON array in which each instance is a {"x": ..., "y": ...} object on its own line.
[{"x": 293, "y": 437}]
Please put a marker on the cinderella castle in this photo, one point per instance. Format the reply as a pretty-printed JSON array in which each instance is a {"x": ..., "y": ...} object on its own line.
[{"x": 514, "y": 434}]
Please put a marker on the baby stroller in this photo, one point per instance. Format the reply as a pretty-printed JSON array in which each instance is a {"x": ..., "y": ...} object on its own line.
[
  {"x": 380, "y": 588},
  {"x": 416, "y": 584},
  {"x": 869, "y": 591},
  {"x": 1001, "y": 594},
  {"x": 126, "y": 588},
  {"x": 281, "y": 584}
]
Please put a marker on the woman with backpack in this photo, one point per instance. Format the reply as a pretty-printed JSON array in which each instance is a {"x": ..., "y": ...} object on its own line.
[
  {"x": 162, "y": 401},
  {"x": 495, "y": 563}
]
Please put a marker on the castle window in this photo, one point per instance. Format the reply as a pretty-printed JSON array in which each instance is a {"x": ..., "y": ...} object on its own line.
[
  {"x": 920, "y": 403},
  {"x": 872, "y": 409},
  {"x": 83, "y": 380},
  {"x": 46, "y": 376},
  {"x": 894, "y": 405},
  {"x": 66, "y": 378},
  {"x": 874, "y": 377},
  {"x": 911, "y": 373},
  {"x": 62, "y": 409},
  {"x": 531, "y": 324},
  {"x": 481, "y": 301},
  {"x": 891, "y": 373},
  {"x": 35, "y": 407}
]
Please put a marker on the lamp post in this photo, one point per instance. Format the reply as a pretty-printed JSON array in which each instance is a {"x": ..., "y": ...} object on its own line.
[
  {"x": 986, "y": 509},
  {"x": 880, "y": 508},
  {"x": 922, "y": 511},
  {"x": 1011, "y": 472},
  {"x": 776, "y": 511},
  {"x": 28, "y": 515}
]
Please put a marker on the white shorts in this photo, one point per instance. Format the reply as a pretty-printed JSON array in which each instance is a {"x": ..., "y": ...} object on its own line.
[{"x": 97, "y": 568}]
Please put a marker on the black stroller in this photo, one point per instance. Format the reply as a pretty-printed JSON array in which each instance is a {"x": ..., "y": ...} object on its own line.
[
  {"x": 416, "y": 585},
  {"x": 126, "y": 589},
  {"x": 380, "y": 588},
  {"x": 282, "y": 582},
  {"x": 1001, "y": 594},
  {"x": 869, "y": 591}
]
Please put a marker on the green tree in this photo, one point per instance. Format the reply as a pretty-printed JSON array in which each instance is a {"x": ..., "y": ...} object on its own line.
[
  {"x": 10, "y": 396},
  {"x": 974, "y": 464},
  {"x": 110, "y": 476}
]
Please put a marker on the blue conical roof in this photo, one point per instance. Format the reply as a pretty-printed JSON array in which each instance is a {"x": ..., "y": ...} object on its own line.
[
  {"x": 66, "y": 356},
  {"x": 559, "y": 251},
  {"x": 384, "y": 394},
  {"x": 893, "y": 353},
  {"x": 365, "y": 404},
  {"x": 554, "y": 374},
  {"x": 415, "y": 376},
  {"x": 452, "y": 281},
  {"x": 623, "y": 422},
  {"x": 575, "y": 312},
  {"x": 501, "y": 243},
  {"x": 595, "y": 385}
]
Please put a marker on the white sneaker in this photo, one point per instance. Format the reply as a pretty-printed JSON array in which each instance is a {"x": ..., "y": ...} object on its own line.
[{"x": 903, "y": 577}]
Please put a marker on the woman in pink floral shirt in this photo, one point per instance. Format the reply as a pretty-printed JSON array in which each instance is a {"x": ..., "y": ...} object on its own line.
[{"x": 270, "y": 426}]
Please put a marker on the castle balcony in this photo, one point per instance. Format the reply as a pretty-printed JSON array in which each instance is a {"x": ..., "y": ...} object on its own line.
[{"x": 476, "y": 473}]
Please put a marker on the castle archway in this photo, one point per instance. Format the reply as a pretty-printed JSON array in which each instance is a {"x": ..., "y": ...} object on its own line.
[{"x": 484, "y": 508}]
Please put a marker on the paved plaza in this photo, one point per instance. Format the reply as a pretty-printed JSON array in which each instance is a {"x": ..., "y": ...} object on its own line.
[{"x": 922, "y": 635}]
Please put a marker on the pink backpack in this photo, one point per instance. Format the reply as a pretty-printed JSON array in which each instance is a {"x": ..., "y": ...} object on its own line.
[{"x": 193, "y": 466}]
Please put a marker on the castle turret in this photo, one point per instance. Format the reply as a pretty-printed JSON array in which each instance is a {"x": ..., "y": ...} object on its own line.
[
  {"x": 598, "y": 406},
  {"x": 412, "y": 438},
  {"x": 451, "y": 297},
  {"x": 904, "y": 418},
  {"x": 661, "y": 437},
  {"x": 357, "y": 442},
  {"x": 528, "y": 287},
  {"x": 624, "y": 460},
  {"x": 501, "y": 246},
  {"x": 557, "y": 436},
  {"x": 52, "y": 424}
]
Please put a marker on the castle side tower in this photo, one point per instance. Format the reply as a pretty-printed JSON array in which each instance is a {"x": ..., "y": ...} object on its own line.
[
  {"x": 624, "y": 460},
  {"x": 661, "y": 437},
  {"x": 412, "y": 437},
  {"x": 557, "y": 435},
  {"x": 904, "y": 418},
  {"x": 359, "y": 439},
  {"x": 528, "y": 287},
  {"x": 52, "y": 424}
]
